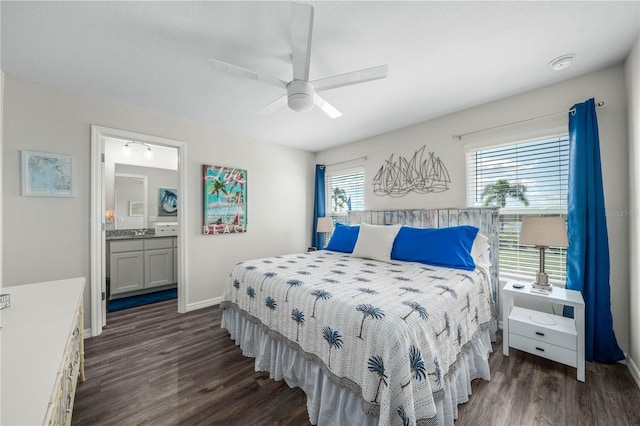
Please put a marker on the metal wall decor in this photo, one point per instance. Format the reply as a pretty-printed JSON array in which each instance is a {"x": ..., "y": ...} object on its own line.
[{"x": 422, "y": 174}]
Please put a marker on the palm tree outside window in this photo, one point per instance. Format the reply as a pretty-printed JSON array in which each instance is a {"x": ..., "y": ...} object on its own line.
[
  {"x": 525, "y": 178},
  {"x": 344, "y": 192}
]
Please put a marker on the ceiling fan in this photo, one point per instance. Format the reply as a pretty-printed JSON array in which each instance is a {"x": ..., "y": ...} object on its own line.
[{"x": 302, "y": 94}]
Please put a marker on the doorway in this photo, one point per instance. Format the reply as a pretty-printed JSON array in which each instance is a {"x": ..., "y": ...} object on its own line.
[{"x": 103, "y": 216}]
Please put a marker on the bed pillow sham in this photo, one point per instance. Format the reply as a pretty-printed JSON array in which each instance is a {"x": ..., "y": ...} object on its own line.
[
  {"x": 449, "y": 247},
  {"x": 480, "y": 250},
  {"x": 344, "y": 238},
  {"x": 375, "y": 242}
]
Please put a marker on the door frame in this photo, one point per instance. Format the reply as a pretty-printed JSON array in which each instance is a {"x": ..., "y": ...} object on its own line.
[{"x": 98, "y": 220}]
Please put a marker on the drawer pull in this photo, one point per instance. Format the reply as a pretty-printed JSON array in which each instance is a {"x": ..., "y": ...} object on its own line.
[
  {"x": 539, "y": 349},
  {"x": 539, "y": 333}
]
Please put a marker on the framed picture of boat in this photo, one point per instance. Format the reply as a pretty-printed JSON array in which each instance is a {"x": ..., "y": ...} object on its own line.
[{"x": 225, "y": 200}]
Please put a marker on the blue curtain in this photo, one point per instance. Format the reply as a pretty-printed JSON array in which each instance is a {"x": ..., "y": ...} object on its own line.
[
  {"x": 317, "y": 240},
  {"x": 588, "y": 252}
]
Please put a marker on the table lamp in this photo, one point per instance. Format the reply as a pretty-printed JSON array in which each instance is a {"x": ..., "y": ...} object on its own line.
[
  {"x": 543, "y": 232},
  {"x": 324, "y": 226}
]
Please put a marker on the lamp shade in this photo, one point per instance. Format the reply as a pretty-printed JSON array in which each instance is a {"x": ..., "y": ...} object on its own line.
[
  {"x": 324, "y": 224},
  {"x": 544, "y": 231}
]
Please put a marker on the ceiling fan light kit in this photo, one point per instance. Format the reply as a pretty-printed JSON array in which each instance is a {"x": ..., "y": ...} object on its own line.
[{"x": 302, "y": 94}]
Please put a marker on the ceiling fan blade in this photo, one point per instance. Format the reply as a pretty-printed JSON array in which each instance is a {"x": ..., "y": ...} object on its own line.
[
  {"x": 353, "y": 77},
  {"x": 242, "y": 72},
  {"x": 326, "y": 107},
  {"x": 275, "y": 105},
  {"x": 301, "y": 28}
]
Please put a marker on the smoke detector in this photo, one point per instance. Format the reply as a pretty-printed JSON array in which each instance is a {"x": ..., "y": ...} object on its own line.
[{"x": 561, "y": 62}]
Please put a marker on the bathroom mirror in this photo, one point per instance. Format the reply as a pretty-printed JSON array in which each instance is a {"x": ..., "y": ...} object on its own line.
[{"x": 130, "y": 195}]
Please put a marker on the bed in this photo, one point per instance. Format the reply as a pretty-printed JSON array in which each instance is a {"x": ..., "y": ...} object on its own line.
[{"x": 387, "y": 341}]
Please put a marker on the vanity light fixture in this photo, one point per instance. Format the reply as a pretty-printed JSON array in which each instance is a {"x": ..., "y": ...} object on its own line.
[{"x": 126, "y": 149}]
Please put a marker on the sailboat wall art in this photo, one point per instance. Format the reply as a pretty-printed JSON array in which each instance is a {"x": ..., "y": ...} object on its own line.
[
  {"x": 225, "y": 200},
  {"x": 424, "y": 173}
]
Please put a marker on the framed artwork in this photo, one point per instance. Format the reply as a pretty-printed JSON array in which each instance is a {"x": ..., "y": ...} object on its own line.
[
  {"x": 136, "y": 208},
  {"x": 225, "y": 200},
  {"x": 167, "y": 202},
  {"x": 47, "y": 175}
]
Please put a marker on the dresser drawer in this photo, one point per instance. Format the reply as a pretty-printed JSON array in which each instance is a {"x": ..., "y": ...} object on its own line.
[
  {"x": 543, "y": 327},
  {"x": 543, "y": 349}
]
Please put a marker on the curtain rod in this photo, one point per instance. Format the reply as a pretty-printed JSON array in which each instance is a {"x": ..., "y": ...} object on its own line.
[
  {"x": 572, "y": 111},
  {"x": 345, "y": 161}
]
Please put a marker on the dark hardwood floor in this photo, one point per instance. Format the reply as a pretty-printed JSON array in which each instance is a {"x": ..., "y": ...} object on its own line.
[{"x": 153, "y": 366}]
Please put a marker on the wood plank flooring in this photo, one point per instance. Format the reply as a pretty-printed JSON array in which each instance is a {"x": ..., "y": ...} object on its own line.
[{"x": 153, "y": 366}]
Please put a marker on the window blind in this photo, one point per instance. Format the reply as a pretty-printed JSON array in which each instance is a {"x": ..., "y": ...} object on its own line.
[
  {"x": 528, "y": 178},
  {"x": 344, "y": 192}
]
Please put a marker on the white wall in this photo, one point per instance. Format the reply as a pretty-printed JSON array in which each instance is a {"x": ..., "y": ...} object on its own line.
[
  {"x": 607, "y": 85},
  {"x": 632, "y": 71},
  {"x": 49, "y": 237}
]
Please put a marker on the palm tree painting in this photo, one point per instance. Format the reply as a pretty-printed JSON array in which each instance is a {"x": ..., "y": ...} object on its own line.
[
  {"x": 409, "y": 289},
  {"x": 416, "y": 363},
  {"x": 406, "y": 421},
  {"x": 252, "y": 294},
  {"x": 339, "y": 197},
  {"x": 236, "y": 285},
  {"x": 267, "y": 275},
  {"x": 334, "y": 339},
  {"x": 292, "y": 283},
  {"x": 365, "y": 290},
  {"x": 368, "y": 310},
  {"x": 447, "y": 289},
  {"x": 415, "y": 307},
  {"x": 447, "y": 326},
  {"x": 496, "y": 194},
  {"x": 270, "y": 303},
  {"x": 298, "y": 316},
  {"x": 319, "y": 294},
  {"x": 376, "y": 365},
  {"x": 218, "y": 186}
]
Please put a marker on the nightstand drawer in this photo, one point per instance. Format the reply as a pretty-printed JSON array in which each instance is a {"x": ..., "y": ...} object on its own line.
[
  {"x": 543, "y": 349},
  {"x": 543, "y": 327}
]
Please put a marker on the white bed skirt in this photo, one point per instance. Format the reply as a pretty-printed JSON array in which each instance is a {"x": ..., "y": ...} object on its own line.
[{"x": 330, "y": 404}]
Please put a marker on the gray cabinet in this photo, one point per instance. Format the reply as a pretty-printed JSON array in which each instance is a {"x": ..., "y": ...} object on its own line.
[
  {"x": 158, "y": 262},
  {"x": 126, "y": 269},
  {"x": 139, "y": 264}
]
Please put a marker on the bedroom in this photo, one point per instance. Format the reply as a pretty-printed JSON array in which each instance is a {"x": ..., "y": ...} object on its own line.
[{"x": 43, "y": 117}]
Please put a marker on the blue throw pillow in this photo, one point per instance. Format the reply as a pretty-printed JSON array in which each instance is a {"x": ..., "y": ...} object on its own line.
[
  {"x": 344, "y": 238},
  {"x": 449, "y": 247}
]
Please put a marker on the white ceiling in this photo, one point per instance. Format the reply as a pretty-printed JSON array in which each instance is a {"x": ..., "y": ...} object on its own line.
[{"x": 442, "y": 56}]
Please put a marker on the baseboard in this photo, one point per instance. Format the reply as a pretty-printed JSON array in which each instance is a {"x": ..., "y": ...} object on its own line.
[
  {"x": 204, "y": 304},
  {"x": 87, "y": 333},
  {"x": 635, "y": 372}
]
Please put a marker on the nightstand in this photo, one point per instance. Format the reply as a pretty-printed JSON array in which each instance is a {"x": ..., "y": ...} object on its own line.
[{"x": 550, "y": 336}]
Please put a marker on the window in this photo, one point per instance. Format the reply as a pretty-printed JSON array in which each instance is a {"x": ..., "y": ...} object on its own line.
[
  {"x": 528, "y": 178},
  {"x": 344, "y": 192}
]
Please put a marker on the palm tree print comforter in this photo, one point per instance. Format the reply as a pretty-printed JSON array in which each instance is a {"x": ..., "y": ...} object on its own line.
[{"x": 390, "y": 332}]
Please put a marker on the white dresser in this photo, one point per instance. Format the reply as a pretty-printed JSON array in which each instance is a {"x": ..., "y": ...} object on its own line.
[{"x": 42, "y": 352}]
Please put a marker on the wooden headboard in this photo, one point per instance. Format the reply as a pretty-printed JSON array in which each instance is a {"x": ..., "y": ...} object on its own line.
[{"x": 483, "y": 218}]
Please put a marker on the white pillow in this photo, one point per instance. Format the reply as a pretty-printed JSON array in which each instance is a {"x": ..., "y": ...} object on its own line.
[
  {"x": 480, "y": 250},
  {"x": 375, "y": 242}
]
